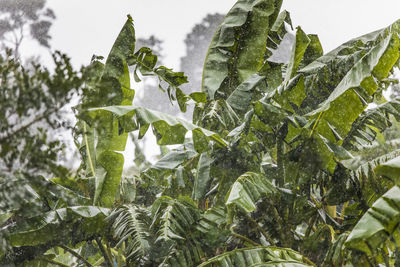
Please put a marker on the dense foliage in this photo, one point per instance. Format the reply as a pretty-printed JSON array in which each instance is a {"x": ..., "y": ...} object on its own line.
[{"x": 263, "y": 176}]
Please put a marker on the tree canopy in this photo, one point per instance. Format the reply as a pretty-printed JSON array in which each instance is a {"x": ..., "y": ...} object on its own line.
[{"x": 20, "y": 19}]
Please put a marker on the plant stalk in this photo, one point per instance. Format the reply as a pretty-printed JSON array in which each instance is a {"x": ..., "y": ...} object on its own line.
[
  {"x": 104, "y": 253},
  {"x": 53, "y": 262},
  {"x": 77, "y": 255},
  {"x": 310, "y": 226},
  {"x": 279, "y": 223},
  {"x": 244, "y": 238},
  {"x": 255, "y": 223}
]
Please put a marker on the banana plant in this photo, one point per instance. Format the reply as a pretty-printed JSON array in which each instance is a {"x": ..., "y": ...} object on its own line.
[
  {"x": 76, "y": 208},
  {"x": 284, "y": 179},
  {"x": 264, "y": 174}
]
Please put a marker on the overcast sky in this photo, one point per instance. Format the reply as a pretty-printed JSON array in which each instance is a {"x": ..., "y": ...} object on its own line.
[{"x": 87, "y": 27}]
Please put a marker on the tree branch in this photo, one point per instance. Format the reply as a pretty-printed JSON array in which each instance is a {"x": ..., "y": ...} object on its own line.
[{"x": 43, "y": 116}]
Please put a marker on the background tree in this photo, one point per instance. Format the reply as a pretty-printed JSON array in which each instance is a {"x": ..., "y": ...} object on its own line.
[
  {"x": 22, "y": 18},
  {"x": 26, "y": 21},
  {"x": 33, "y": 102},
  {"x": 197, "y": 43}
]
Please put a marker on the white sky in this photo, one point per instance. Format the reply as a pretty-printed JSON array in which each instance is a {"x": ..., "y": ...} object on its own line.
[{"x": 87, "y": 27}]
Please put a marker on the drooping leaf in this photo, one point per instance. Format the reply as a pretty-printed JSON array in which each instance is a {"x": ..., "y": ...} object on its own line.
[
  {"x": 50, "y": 190},
  {"x": 130, "y": 224},
  {"x": 390, "y": 169},
  {"x": 145, "y": 61},
  {"x": 63, "y": 225},
  {"x": 248, "y": 22},
  {"x": 371, "y": 123},
  {"x": 102, "y": 138},
  {"x": 367, "y": 60},
  {"x": 259, "y": 256},
  {"x": 249, "y": 188},
  {"x": 378, "y": 224},
  {"x": 173, "y": 159},
  {"x": 299, "y": 48},
  {"x": 241, "y": 97},
  {"x": 168, "y": 129},
  {"x": 202, "y": 178},
  {"x": 173, "y": 218},
  {"x": 373, "y": 66}
]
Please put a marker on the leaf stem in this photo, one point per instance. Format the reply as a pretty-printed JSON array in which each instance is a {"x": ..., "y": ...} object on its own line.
[
  {"x": 104, "y": 252},
  {"x": 280, "y": 151},
  {"x": 244, "y": 238},
  {"x": 77, "y": 255},
  {"x": 316, "y": 124},
  {"x": 279, "y": 158},
  {"x": 310, "y": 226},
  {"x": 108, "y": 249},
  {"x": 52, "y": 262},
  {"x": 88, "y": 150},
  {"x": 255, "y": 223},
  {"x": 344, "y": 207},
  {"x": 279, "y": 223}
]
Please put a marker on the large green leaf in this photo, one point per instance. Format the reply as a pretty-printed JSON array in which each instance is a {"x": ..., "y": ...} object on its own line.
[
  {"x": 325, "y": 73},
  {"x": 102, "y": 139},
  {"x": 299, "y": 48},
  {"x": 374, "y": 66},
  {"x": 168, "y": 129},
  {"x": 259, "y": 256},
  {"x": 173, "y": 159},
  {"x": 145, "y": 61},
  {"x": 130, "y": 225},
  {"x": 202, "y": 179},
  {"x": 241, "y": 97},
  {"x": 371, "y": 123},
  {"x": 52, "y": 191},
  {"x": 173, "y": 218},
  {"x": 237, "y": 69},
  {"x": 338, "y": 86},
  {"x": 239, "y": 45},
  {"x": 249, "y": 188},
  {"x": 390, "y": 169},
  {"x": 378, "y": 224},
  {"x": 59, "y": 226}
]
